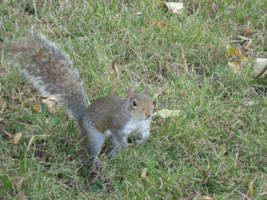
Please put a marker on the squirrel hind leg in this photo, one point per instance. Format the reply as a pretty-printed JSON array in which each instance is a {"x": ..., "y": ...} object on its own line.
[
  {"x": 94, "y": 138},
  {"x": 95, "y": 141}
]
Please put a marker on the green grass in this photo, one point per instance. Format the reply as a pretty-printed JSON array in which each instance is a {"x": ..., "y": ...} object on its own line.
[{"x": 216, "y": 147}]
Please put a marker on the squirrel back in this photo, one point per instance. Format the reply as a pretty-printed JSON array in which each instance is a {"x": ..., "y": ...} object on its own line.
[{"x": 50, "y": 70}]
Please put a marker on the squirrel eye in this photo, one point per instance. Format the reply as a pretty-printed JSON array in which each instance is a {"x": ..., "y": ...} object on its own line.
[{"x": 134, "y": 103}]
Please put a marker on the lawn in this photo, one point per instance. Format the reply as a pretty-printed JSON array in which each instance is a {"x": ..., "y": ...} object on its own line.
[{"x": 214, "y": 149}]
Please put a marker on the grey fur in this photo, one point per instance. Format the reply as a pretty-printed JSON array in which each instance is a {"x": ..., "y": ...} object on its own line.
[{"x": 50, "y": 70}]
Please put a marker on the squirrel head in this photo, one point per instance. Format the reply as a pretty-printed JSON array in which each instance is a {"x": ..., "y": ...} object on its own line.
[{"x": 141, "y": 104}]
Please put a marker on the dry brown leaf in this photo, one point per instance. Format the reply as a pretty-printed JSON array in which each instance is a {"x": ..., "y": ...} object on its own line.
[
  {"x": 158, "y": 23},
  {"x": 235, "y": 52},
  {"x": 16, "y": 138},
  {"x": 260, "y": 67},
  {"x": 175, "y": 7},
  {"x": 165, "y": 113},
  {"x": 144, "y": 172},
  {"x": 35, "y": 137},
  {"x": 49, "y": 102},
  {"x": 36, "y": 108},
  {"x": 207, "y": 198},
  {"x": 2, "y": 119},
  {"x": 235, "y": 58},
  {"x": 41, "y": 159}
]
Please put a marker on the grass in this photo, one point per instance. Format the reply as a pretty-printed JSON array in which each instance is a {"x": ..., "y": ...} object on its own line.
[{"x": 215, "y": 148}]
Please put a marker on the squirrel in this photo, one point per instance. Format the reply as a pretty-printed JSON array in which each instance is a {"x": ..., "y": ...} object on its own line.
[{"x": 111, "y": 118}]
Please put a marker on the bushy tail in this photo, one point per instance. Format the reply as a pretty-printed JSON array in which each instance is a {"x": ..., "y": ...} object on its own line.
[{"x": 50, "y": 70}]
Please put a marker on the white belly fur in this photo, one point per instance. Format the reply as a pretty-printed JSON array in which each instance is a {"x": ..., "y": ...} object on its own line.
[{"x": 136, "y": 126}]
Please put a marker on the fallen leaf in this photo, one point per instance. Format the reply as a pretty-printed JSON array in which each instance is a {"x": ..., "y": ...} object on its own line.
[
  {"x": 138, "y": 13},
  {"x": 35, "y": 137},
  {"x": 260, "y": 67},
  {"x": 2, "y": 119},
  {"x": 230, "y": 50},
  {"x": 175, "y": 7},
  {"x": 207, "y": 198},
  {"x": 144, "y": 172},
  {"x": 158, "y": 23},
  {"x": 49, "y": 102},
  {"x": 41, "y": 159},
  {"x": 16, "y": 138},
  {"x": 235, "y": 58},
  {"x": 165, "y": 113},
  {"x": 36, "y": 108}
]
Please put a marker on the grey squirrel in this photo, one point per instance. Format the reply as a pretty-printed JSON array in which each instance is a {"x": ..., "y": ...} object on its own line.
[{"x": 110, "y": 117}]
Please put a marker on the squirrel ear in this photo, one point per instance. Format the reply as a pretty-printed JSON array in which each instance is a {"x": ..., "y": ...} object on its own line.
[
  {"x": 147, "y": 91},
  {"x": 130, "y": 92}
]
